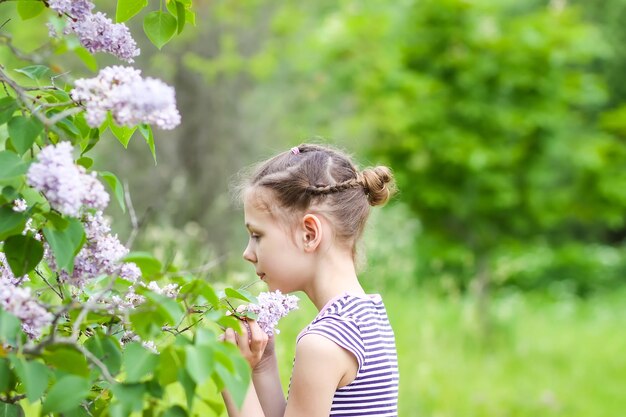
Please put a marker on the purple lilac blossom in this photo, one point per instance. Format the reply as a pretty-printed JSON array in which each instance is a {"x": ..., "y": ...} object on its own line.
[
  {"x": 95, "y": 31},
  {"x": 130, "y": 98},
  {"x": 101, "y": 255},
  {"x": 66, "y": 185},
  {"x": 272, "y": 307},
  {"x": 98, "y": 33},
  {"x": 19, "y": 302},
  {"x": 76, "y": 9}
]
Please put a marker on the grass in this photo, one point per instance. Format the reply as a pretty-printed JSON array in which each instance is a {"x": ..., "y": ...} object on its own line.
[{"x": 541, "y": 356}]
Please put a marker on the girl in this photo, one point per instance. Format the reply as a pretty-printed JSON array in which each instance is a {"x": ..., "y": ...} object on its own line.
[{"x": 305, "y": 210}]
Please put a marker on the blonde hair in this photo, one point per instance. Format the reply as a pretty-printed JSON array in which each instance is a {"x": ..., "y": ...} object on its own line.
[{"x": 325, "y": 178}]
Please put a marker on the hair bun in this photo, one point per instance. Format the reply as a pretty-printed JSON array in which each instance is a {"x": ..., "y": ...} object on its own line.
[{"x": 379, "y": 184}]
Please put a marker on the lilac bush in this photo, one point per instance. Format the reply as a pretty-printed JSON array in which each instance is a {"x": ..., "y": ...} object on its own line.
[{"x": 79, "y": 308}]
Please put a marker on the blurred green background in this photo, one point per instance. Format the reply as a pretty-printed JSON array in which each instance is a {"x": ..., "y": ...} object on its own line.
[{"x": 502, "y": 259}]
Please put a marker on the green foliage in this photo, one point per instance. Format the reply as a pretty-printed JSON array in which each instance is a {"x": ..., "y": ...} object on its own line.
[{"x": 95, "y": 355}]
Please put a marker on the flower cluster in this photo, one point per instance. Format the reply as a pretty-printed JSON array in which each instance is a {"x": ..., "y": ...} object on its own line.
[
  {"x": 100, "y": 255},
  {"x": 19, "y": 302},
  {"x": 272, "y": 307},
  {"x": 66, "y": 185},
  {"x": 130, "y": 98},
  {"x": 96, "y": 32}
]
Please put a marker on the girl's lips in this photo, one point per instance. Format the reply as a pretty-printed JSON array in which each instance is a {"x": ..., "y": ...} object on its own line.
[{"x": 261, "y": 276}]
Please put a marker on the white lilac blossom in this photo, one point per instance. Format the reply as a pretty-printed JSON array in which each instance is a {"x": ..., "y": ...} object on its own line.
[
  {"x": 66, "y": 185},
  {"x": 20, "y": 205},
  {"x": 101, "y": 255},
  {"x": 272, "y": 307},
  {"x": 95, "y": 31},
  {"x": 129, "y": 337},
  {"x": 170, "y": 290},
  {"x": 130, "y": 98},
  {"x": 19, "y": 302}
]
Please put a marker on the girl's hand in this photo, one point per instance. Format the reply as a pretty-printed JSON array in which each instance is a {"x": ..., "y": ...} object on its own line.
[{"x": 252, "y": 342}]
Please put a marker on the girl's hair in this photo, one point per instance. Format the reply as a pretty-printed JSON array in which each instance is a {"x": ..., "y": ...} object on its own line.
[{"x": 325, "y": 178}]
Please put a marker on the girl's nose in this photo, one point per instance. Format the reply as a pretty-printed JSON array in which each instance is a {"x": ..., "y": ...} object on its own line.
[{"x": 249, "y": 255}]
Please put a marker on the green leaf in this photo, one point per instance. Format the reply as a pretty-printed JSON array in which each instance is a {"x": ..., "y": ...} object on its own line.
[
  {"x": 130, "y": 395},
  {"x": 180, "y": 16},
  {"x": 34, "y": 375},
  {"x": 88, "y": 59},
  {"x": 90, "y": 141},
  {"x": 170, "y": 310},
  {"x": 7, "y": 378},
  {"x": 138, "y": 362},
  {"x": 146, "y": 131},
  {"x": 23, "y": 132},
  {"x": 199, "y": 362},
  {"x": 128, "y": 8},
  {"x": 35, "y": 72},
  {"x": 66, "y": 394},
  {"x": 116, "y": 186},
  {"x": 107, "y": 349},
  {"x": 10, "y": 328},
  {"x": 11, "y": 222},
  {"x": 160, "y": 27},
  {"x": 66, "y": 358},
  {"x": 148, "y": 264},
  {"x": 28, "y": 9},
  {"x": 188, "y": 385},
  {"x": 85, "y": 161},
  {"x": 11, "y": 165},
  {"x": 58, "y": 221},
  {"x": 233, "y": 370},
  {"x": 23, "y": 253},
  {"x": 11, "y": 410},
  {"x": 122, "y": 133},
  {"x": 169, "y": 362},
  {"x": 230, "y": 292},
  {"x": 174, "y": 411},
  {"x": 65, "y": 243},
  {"x": 8, "y": 105}
]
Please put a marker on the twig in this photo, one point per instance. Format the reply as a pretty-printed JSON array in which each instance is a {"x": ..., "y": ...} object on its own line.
[{"x": 132, "y": 214}]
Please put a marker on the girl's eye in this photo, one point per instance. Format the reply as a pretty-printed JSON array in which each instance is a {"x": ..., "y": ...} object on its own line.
[{"x": 254, "y": 236}]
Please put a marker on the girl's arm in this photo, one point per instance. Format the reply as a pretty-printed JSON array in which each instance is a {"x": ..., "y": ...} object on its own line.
[{"x": 320, "y": 367}]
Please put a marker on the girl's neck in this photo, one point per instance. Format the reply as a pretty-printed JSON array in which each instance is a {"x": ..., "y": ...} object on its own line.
[{"x": 333, "y": 278}]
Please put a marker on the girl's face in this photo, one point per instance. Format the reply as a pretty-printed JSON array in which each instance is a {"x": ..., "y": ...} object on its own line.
[{"x": 273, "y": 249}]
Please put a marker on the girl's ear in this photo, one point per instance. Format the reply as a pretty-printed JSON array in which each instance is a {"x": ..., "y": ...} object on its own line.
[{"x": 311, "y": 232}]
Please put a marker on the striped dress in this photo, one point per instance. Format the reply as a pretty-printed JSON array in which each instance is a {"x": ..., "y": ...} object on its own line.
[{"x": 359, "y": 324}]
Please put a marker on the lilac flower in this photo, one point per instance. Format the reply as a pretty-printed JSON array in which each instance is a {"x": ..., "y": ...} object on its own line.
[
  {"x": 272, "y": 307},
  {"x": 95, "y": 31},
  {"x": 170, "y": 290},
  {"x": 65, "y": 184},
  {"x": 130, "y": 98},
  {"x": 58, "y": 178},
  {"x": 76, "y": 9},
  {"x": 101, "y": 255},
  {"x": 19, "y": 302},
  {"x": 20, "y": 205},
  {"x": 98, "y": 33}
]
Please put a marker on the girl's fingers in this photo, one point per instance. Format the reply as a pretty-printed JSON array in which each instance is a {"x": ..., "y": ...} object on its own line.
[
  {"x": 230, "y": 336},
  {"x": 258, "y": 338}
]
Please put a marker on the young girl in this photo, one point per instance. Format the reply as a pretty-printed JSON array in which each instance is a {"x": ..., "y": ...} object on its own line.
[{"x": 305, "y": 210}]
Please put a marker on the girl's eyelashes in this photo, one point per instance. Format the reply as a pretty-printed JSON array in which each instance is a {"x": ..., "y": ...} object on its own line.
[{"x": 255, "y": 236}]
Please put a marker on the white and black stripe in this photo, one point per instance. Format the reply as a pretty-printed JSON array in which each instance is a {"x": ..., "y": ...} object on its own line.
[{"x": 359, "y": 324}]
